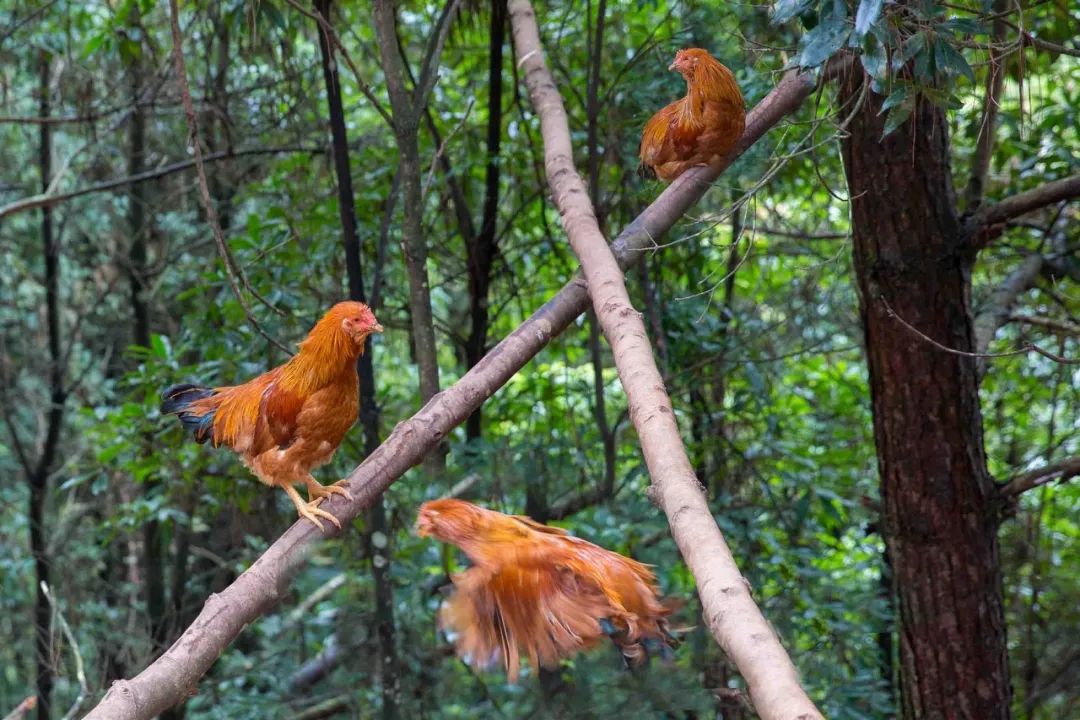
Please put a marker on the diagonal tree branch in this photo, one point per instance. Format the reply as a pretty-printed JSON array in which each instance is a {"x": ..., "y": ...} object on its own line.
[
  {"x": 175, "y": 674},
  {"x": 1061, "y": 471},
  {"x": 979, "y": 224},
  {"x": 727, "y": 605}
]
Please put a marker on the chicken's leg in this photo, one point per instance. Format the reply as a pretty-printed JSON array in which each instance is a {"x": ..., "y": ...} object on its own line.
[{"x": 310, "y": 510}]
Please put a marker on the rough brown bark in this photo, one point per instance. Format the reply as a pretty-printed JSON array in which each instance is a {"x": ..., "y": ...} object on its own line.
[
  {"x": 939, "y": 523},
  {"x": 728, "y": 608},
  {"x": 172, "y": 677}
]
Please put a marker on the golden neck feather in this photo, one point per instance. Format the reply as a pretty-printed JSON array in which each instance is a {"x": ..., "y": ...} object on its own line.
[
  {"x": 325, "y": 355},
  {"x": 711, "y": 81}
]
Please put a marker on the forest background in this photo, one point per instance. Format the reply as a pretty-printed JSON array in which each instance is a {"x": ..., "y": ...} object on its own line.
[{"x": 895, "y": 499}]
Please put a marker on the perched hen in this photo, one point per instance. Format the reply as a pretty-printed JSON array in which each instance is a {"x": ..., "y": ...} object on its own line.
[
  {"x": 700, "y": 127},
  {"x": 289, "y": 420},
  {"x": 534, "y": 590}
]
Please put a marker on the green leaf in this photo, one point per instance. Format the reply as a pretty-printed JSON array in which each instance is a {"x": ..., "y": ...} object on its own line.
[
  {"x": 130, "y": 50},
  {"x": 784, "y": 10},
  {"x": 898, "y": 115},
  {"x": 913, "y": 46},
  {"x": 874, "y": 59},
  {"x": 964, "y": 26},
  {"x": 898, "y": 96},
  {"x": 92, "y": 46},
  {"x": 161, "y": 346},
  {"x": 922, "y": 68},
  {"x": 867, "y": 14},
  {"x": 820, "y": 43},
  {"x": 273, "y": 15},
  {"x": 950, "y": 61}
]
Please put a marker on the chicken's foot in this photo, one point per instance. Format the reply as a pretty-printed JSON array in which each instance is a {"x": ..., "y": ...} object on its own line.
[
  {"x": 310, "y": 510},
  {"x": 318, "y": 491}
]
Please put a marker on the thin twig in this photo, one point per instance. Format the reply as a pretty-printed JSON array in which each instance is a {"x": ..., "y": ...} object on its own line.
[
  {"x": 44, "y": 200},
  {"x": 1057, "y": 326},
  {"x": 429, "y": 67},
  {"x": 232, "y": 270},
  {"x": 1028, "y": 347},
  {"x": 442, "y": 149},
  {"x": 80, "y": 672}
]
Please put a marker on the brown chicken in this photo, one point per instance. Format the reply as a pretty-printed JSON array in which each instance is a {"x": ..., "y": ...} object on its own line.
[
  {"x": 534, "y": 590},
  {"x": 699, "y": 128},
  {"x": 289, "y": 420}
]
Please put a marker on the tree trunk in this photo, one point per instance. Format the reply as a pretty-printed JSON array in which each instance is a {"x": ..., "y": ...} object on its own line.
[
  {"x": 407, "y": 108},
  {"x": 482, "y": 247},
  {"x": 39, "y": 478},
  {"x": 939, "y": 520},
  {"x": 154, "y": 553},
  {"x": 377, "y": 537}
]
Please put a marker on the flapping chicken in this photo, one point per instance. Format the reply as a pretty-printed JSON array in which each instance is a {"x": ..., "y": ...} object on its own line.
[
  {"x": 533, "y": 590},
  {"x": 291, "y": 419},
  {"x": 700, "y": 127}
]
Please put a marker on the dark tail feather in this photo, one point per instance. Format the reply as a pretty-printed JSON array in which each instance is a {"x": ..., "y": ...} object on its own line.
[
  {"x": 645, "y": 172},
  {"x": 177, "y": 399}
]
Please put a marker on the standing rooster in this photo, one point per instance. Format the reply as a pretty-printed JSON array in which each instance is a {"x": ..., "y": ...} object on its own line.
[
  {"x": 535, "y": 590},
  {"x": 700, "y": 127},
  {"x": 289, "y": 420}
]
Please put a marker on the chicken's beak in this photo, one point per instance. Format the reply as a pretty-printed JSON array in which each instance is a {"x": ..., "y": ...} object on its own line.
[
  {"x": 673, "y": 66},
  {"x": 376, "y": 328},
  {"x": 423, "y": 526}
]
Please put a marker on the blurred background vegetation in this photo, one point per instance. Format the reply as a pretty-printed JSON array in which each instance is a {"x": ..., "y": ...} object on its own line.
[{"x": 749, "y": 301}]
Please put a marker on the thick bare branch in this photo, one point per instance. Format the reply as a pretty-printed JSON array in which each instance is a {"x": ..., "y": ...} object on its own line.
[
  {"x": 175, "y": 674},
  {"x": 988, "y": 216},
  {"x": 1061, "y": 471},
  {"x": 727, "y": 604}
]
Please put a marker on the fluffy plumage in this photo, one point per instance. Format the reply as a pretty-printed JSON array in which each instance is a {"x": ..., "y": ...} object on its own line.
[
  {"x": 291, "y": 419},
  {"x": 533, "y": 590},
  {"x": 698, "y": 128}
]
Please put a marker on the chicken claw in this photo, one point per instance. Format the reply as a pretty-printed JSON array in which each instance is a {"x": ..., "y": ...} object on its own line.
[
  {"x": 317, "y": 490},
  {"x": 311, "y": 510},
  {"x": 313, "y": 513}
]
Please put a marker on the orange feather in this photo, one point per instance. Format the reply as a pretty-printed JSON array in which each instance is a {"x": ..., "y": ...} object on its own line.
[
  {"x": 534, "y": 590},
  {"x": 698, "y": 128}
]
